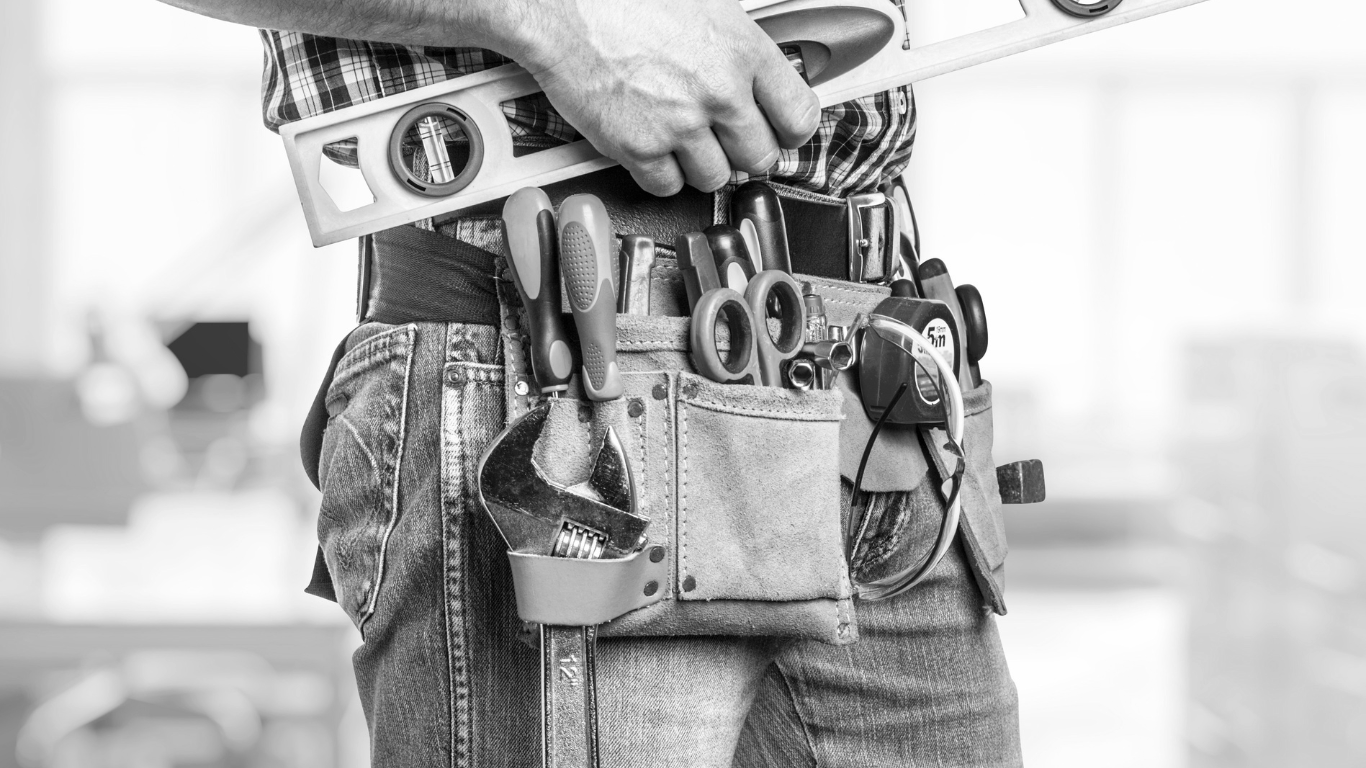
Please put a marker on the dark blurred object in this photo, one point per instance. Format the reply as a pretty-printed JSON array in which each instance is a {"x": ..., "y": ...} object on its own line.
[
  {"x": 208, "y": 348},
  {"x": 1274, "y": 450},
  {"x": 1021, "y": 482},
  {"x": 223, "y": 363},
  {"x": 56, "y": 467}
]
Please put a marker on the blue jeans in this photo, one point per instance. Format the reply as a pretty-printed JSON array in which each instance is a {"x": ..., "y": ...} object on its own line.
[{"x": 448, "y": 677}]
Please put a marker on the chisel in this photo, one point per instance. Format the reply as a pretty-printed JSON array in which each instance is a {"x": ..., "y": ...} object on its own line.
[
  {"x": 586, "y": 262},
  {"x": 731, "y": 256},
  {"x": 937, "y": 285},
  {"x": 637, "y": 259},
  {"x": 529, "y": 243},
  {"x": 757, "y": 203}
]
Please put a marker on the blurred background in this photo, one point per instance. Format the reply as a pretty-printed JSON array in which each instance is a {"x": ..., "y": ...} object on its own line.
[{"x": 1164, "y": 221}]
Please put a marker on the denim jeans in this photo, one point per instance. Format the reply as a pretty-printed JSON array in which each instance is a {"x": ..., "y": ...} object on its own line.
[{"x": 448, "y": 677}]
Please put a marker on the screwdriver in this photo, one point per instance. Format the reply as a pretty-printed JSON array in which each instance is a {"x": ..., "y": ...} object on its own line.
[
  {"x": 636, "y": 259},
  {"x": 696, "y": 263},
  {"x": 937, "y": 285},
  {"x": 751, "y": 237},
  {"x": 586, "y": 261},
  {"x": 756, "y": 202},
  {"x": 975, "y": 331},
  {"x": 530, "y": 247},
  {"x": 731, "y": 255}
]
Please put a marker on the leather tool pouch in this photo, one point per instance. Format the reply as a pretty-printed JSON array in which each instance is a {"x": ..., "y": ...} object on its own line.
[{"x": 742, "y": 485}]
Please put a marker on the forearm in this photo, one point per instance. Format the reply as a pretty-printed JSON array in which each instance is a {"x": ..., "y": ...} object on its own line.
[{"x": 511, "y": 27}]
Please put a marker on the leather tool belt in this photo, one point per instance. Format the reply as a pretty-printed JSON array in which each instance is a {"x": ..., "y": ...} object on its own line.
[{"x": 753, "y": 552}]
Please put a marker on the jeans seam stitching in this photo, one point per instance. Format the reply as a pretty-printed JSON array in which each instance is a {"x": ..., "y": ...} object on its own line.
[
  {"x": 445, "y": 579},
  {"x": 683, "y": 492},
  {"x": 797, "y": 708},
  {"x": 381, "y": 344},
  {"x": 411, "y": 331}
]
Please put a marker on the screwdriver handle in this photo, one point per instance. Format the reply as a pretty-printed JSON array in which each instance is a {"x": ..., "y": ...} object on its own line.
[
  {"x": 731, "y": 255},
  {"x": 757, "y": 203},
  {"x": 636, "y": 260},
  {"x": 698, "y": 266},
  {"x": 751, "y": 237},
  {"x": 586, "y": 261},
  {"x": 937, "y": 285},
  {"x": 975, "y": 336},
  {"x": 529, "y": 243}
]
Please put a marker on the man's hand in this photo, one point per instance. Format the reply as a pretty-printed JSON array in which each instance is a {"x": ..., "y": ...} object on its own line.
[{"x": 674, "y": 90}]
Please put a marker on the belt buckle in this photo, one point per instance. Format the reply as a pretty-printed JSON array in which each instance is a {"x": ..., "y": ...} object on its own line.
[{"x": 860, "y": 244}]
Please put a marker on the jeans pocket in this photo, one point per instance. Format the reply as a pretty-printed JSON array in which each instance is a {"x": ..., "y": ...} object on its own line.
[{"x": 359, "y": 467}]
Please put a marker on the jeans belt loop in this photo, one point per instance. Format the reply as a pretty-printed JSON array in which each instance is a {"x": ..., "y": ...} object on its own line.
[
  {"x": 366, "y": 257},
  {"x": 861, "y": 237}
]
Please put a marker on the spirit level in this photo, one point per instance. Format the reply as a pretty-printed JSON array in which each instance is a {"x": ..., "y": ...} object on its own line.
[{"x": 847, "y": 49}]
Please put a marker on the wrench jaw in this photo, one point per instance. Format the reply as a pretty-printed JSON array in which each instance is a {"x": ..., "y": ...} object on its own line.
[
  {"x": 611, "y": 478},
  {"x": 537, "y": 516}
]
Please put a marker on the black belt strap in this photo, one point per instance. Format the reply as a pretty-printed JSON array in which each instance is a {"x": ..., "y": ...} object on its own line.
[
  {"x": 421, "y": 276},
  {"x": 633, "y": 210}
]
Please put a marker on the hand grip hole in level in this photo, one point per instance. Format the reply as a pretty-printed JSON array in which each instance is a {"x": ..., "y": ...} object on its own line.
[
  {"x": 435, "y": 150},
  {"x": 528, "y": 136},
  {"x": 340, "y": 179},
  {"x": 832, "y": 39},
  {"x": 1086, "y": 10}
]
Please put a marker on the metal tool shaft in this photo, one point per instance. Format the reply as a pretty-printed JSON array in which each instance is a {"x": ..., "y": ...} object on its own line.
[
  {"x": 636, "y": 259},
  {"x": 569, "y": 697}
]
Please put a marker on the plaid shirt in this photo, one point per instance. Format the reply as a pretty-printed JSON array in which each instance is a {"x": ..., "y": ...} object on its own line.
[{"x": 858, "y": 144}]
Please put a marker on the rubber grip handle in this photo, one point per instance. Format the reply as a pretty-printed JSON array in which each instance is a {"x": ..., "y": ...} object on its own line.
[
  {"x": 905, "y": 289},
  {"x": 529, "y": 243},
  {"x": 586, "y": 262},
  {"x": 751, "y": 238},
  {"x": 975, "y": 329},
  {"x": 757, "y": 203},
  {"x": 776, "y": 289},
  {"x": 741, "y": 364},
  {"x": 696, "y": 263},
  {"x": 731, "y": 256},
  {"x": 975, "y": 336},
  {"x": 937, "y": 285}
]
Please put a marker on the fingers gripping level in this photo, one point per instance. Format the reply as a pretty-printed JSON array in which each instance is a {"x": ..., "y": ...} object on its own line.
[{"x": 586, "y": 261}]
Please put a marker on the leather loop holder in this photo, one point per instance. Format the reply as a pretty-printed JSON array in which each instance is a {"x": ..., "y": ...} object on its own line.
[{"x": 569, "y": 592}]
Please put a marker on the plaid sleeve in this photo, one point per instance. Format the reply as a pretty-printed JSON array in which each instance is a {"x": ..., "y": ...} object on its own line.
[{"x": 857, "y": 145}]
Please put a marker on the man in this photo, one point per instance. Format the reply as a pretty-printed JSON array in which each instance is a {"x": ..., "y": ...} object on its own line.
[{"x": 680, "y": 93}]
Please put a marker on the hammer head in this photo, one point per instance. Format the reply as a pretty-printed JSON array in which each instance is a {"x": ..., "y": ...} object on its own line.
[{"x": 531, "y": 511}]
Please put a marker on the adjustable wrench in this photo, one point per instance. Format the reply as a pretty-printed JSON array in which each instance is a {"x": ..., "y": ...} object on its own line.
[{"x": 537, "y": 516}]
